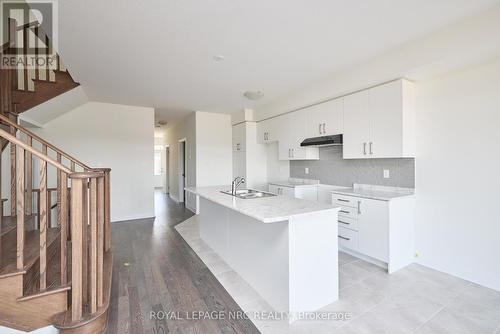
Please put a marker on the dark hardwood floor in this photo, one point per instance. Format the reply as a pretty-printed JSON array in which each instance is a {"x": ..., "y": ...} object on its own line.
[{"x": 155, "y": 270}]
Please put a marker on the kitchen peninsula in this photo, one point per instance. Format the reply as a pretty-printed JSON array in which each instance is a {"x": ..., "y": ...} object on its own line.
[{"x": 285, "y": 248}]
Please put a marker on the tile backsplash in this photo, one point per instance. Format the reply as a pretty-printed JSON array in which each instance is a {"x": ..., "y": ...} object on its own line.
[{"x": 332, "y": 169}]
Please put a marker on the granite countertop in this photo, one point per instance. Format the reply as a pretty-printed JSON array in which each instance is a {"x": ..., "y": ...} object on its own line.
[
  {"x": 267, "y": 209},
  {"x": 374, "y": 192}
]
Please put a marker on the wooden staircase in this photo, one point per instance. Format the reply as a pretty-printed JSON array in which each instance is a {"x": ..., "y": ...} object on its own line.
[{"x": 55, "y": 234}]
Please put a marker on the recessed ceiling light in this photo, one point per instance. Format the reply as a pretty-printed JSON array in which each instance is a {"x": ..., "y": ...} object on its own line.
[
  {"x": 218, "y": 58},
  {"x": 253, "y": 95}
]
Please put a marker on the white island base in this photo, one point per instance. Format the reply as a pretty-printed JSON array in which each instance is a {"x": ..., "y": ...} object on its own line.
[{"x": 292, "y": 263}]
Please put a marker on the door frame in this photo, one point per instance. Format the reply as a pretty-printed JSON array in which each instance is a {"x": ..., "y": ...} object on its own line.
[
  {"x": 167, "y": 168},
  {"x": 182, "y": 167}
]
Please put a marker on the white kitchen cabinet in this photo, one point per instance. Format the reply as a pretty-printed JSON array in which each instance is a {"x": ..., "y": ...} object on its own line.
[
  {"x": 239, "y": 164},
  {"x": 325, "y": 119},
  {"x": 267, "y": 130},
  {"x": 294, "y": 131},
  {"x": 373, "y": 228},
  {"x": 378, "y": 122},
  {"x": 239, "y": 137},
  {"x": 377, "y": 230},
  {"x": 308, "y": 193}
]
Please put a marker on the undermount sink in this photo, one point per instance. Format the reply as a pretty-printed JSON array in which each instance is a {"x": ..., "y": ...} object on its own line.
[{"x": 248, "y": 193}]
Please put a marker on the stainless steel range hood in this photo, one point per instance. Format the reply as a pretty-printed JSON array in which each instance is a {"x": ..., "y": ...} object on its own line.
[{"x": 335, "y": 140}]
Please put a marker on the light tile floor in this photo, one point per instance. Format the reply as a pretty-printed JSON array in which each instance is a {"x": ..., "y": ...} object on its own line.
[{"x": 415, "y": 299}]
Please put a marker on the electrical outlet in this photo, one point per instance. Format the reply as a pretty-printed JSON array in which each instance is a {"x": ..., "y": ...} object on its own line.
[
  {"x": 386, "y": 174},
  {"x": 306, "y": 170}
]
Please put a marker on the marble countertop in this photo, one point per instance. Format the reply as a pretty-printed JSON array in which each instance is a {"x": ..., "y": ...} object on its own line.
[
  {"x": 379, "y": 193},
  {"x": 267, "y": 209},
  {"x": 292, "y": 183}
]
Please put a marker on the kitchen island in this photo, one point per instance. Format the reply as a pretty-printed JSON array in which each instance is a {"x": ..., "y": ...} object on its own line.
[{"x": 285, "y": 248}]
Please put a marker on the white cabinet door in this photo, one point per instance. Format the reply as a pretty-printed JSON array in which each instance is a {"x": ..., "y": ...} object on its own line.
[
  {"x": 297, "y": 132},
  {"x": 333, "y": 117},
  {"x": 273, "y": 189},
  {"x": 288, "y": 191},
  {"x": 356, "y": 126},
  {"x": 373, "y": 225},
  {"x": 385, "y": 104},
  {"x": 325, "y": 119},
  {"x": 239, "y": 133},
  {"x": 268, "y": 130},
  {"x": 314, "y": 121}
]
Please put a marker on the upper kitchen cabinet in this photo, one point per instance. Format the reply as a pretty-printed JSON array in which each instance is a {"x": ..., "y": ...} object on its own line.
[
  {"x": 378, "y": 122},
  {"x": 267, "y": 131},
  {"x": 293, "y": 132},
  {"x": 325, "y": 119}
]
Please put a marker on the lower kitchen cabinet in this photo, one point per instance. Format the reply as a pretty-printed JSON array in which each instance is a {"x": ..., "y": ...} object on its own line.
[
  {"x": 379, "y": 230},
  {"x": 307, "y": 193}
]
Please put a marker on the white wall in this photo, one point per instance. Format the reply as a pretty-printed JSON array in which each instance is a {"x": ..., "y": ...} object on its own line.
[
  {"x": 185, "y": 129},
  {"x": 457, "y": 174},
  {"x": 213, "y": 149},
  {"x": 115, "y": 136},
  {"x": 277, "y": 170}
]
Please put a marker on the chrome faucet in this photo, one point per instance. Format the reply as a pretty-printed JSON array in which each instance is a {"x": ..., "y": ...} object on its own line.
[{"x": 236, "y": 183}]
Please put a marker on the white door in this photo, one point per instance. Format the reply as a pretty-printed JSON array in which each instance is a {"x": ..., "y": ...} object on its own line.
[
  {"x": 373, "y": 225},
  {"x": 356, "y": 126},
  {"x": 385, "y": 104}
]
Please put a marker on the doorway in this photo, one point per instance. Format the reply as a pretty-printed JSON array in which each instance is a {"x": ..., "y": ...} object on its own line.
[
  {"x": 167, "y": 168},
  {"x": 182, "y": 170}
]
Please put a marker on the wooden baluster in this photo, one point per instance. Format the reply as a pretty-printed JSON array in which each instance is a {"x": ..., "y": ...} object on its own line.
[
  {"x": 72, "y": 166},
  {"x": 63, "y": 218},
  {"x": 100, "y": 241},
  {"x": 37, "y": 75},
  {"x": 13, "y": 162},
  {"x": 43, "y": 220},
  {"x": 77, "y": 226},
  {"x": 93, "y": 245},
  {"x": 20, "y": 208},
  {"x": 59, "y": 190},
  {"x": 85, "y": 247},
  {"x": 49, "y": 208},
  {"x": 107, "y": 220},
  {"x": 29, "y": 179}
]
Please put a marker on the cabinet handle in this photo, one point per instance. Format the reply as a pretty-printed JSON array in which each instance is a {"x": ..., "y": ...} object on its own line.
[
  {"x": 343, "y": 211},
  {"x": 342, "y": 200},
  {"x": 293, "y": 153},
  {"x": 359, "y": 207},
  {"x": 340, "y": 221},
  {"x": 371, "y": 151},
  {"x": 324, "y": 128},
  {"x": 319, "y": 128},
  {"x": 265, "y": 135},
  {"x": 364, "y": 148},
  {"x": 341, "y": 237}
]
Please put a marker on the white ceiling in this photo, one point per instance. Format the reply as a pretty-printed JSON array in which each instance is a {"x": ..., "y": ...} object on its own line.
[{"x": 159, "y": 53}]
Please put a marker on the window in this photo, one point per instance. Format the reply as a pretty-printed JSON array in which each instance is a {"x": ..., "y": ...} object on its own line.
[{"x": 157, "y": 162}]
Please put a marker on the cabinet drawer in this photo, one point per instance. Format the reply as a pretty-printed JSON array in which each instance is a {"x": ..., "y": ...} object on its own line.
[
  {"x": 348, "y": 212},
  {"x": 348, "y": 238},
  {"x": 343, "y": 200},
  {"x": 349, "y": 223}
]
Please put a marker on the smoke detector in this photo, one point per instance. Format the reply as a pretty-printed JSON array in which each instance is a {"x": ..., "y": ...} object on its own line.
[{"x": 253, "y": 95}]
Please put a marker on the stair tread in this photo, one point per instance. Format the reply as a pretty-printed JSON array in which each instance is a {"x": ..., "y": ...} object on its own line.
[{"x": 31, "y": 249}]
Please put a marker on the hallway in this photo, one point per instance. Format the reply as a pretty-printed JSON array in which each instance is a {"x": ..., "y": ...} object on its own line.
[{"x": 156, "y": 271}]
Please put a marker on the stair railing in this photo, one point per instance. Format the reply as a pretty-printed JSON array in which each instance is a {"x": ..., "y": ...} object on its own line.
[{"x": 83, "y": 212}]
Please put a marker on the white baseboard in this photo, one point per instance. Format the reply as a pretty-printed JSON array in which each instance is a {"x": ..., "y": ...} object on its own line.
[{"x": 132, "y": 217}]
